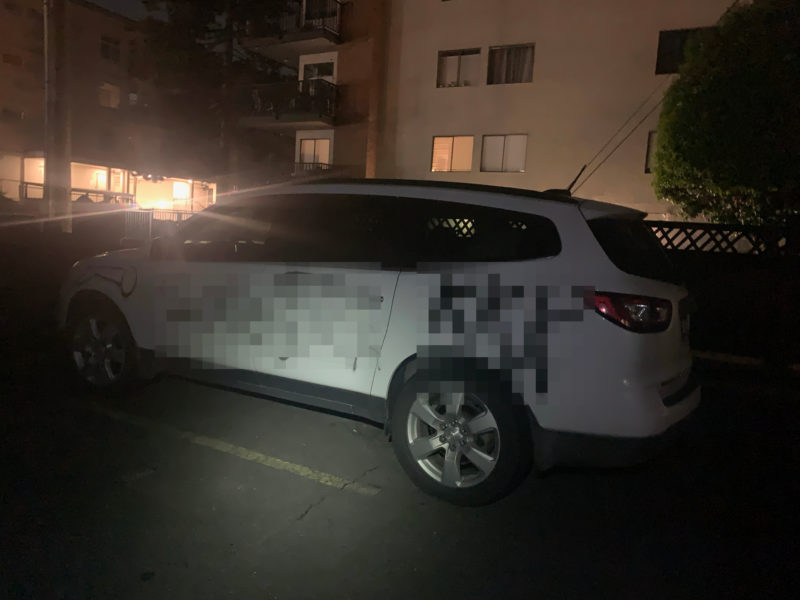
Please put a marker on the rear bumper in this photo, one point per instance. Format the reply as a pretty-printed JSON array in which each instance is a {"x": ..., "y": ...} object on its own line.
[{"x": 559, "y": 448}]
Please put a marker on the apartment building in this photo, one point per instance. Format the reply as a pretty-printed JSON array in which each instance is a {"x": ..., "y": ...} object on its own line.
[
  {"x": 117, "y": 139},
  {"x": 522, "y": 93},
  {"x": 330, "y": 105}
]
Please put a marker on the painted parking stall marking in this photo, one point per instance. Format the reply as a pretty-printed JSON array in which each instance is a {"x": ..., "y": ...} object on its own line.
[{"x": 264, "y": 460}]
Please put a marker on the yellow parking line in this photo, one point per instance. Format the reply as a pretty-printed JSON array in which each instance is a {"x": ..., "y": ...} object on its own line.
[{"x": 238, "y": 451}]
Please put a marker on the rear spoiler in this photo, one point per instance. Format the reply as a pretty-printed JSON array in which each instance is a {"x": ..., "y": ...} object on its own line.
[{"x": 592, "y": 209}]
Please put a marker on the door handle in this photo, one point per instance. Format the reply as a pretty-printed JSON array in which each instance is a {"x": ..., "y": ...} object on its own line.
[{"x": 296, "y": 273}]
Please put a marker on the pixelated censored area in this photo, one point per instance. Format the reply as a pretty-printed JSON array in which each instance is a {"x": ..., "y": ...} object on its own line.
[
  {"x": 474, "y": 326},
  {"x": 253, "y": 320}
]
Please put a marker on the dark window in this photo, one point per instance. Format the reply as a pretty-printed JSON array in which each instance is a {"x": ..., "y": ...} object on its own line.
[
  {"x": 317, "y": 70},
  {"x": 649, "y": 159},
  {"x": 132, "y": 53},
  {"x": 510, "y": 64},
  {"x": 109, "y": 48},
  {"x": 12, "y": 59},
  {"x": 397, "y": 232},
  {"x": 12, "y": 7},
  {"x": 633, "y": 247},
  {"x": 320, "y": 9},
  {"x": 9, "y": 114},
  {"x": 458, "y": 68},
  {"x": 449, "y": 232},
  {"x": 671, "y": 48}
]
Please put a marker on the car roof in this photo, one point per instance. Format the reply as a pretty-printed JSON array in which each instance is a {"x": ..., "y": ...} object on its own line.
[
  {"x": 391, "y": 185},
  {"x": 412, "y": 187}
]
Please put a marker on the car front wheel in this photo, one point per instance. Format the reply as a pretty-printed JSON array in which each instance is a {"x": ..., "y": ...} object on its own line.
[
  {"x": 459, "y": 444},
  {"x": 102, "y": 348}
]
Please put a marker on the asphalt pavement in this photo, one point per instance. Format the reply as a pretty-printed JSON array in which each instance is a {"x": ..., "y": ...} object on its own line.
[{"x": 183, "y": 490}]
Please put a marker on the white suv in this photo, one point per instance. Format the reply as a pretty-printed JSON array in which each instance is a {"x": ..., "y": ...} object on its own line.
[{"x": 480, "y": 325}]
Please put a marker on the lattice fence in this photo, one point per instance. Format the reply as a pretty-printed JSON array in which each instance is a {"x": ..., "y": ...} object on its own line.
[{"x": 728, "y": 239}]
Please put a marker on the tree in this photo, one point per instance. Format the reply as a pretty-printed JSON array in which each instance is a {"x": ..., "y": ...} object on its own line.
[
  {"x": 200, "y": 57},
  {"x": 729, "y": 132}
]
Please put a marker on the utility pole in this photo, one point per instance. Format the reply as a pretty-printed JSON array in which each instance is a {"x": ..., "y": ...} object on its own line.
[
  {"x": 57, "y": 145},
  {"x": 227, "y": 144}
]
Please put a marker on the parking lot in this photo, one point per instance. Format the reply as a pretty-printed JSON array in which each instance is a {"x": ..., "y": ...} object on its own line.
[{"x": 189, "y": 491}]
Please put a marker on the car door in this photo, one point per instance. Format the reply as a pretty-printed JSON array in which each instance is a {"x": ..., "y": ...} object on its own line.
[
  {"x": 207, "y": 288},
  {"x": 332, "y": 293}
]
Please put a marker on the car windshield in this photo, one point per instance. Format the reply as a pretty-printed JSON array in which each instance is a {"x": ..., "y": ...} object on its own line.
[{"x": 633, "y": 247}]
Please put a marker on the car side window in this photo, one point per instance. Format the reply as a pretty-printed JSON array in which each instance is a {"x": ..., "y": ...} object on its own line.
[
  {"x": 339, "y": 228},
  {"x": 230, "y": 234},
  {"x": 455, "y": 232}
]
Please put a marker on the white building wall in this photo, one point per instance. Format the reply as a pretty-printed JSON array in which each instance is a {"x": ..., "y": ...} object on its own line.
[{"x": 594, "y": 65}]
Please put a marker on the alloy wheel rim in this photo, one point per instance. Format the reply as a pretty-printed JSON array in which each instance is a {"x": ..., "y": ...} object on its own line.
[
  {"x": 98, "y": 351},
  {"x": 453, "y": 437}
]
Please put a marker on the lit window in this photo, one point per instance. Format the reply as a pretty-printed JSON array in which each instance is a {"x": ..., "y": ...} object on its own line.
[
  {"x": 452, "y": 153},
  {"x": 180, "y": 190},
  {"x": 650, "y": 157},
  {"x": 108, "y": 95},
  {"x": 504, "y": 153},
  {"x": 458, "y": 68},
  {"x": 315, "y": 151},
  {"x": 510, "y": 64},
  {"x": 100, "y": 179}
]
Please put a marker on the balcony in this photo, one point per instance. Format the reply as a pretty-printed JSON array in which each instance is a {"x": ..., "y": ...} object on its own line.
[
  {"x": 288, "y": 105},
  {"x": 310, "y": 167},
  {"x": 305, "y": 27}
]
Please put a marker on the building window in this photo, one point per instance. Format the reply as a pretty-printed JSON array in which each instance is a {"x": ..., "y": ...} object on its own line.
[
  {"x": 108, "y": 95},
  {"x": 109, "y": 48},
  {"x": 9, "y": 114},
  {"x": 12, "y": 59},
  {"x": 671, "y": 48},
  {"x": 452, "y": 153},
  {"x": 180, "y": 190},
  {"x": 504, "y": 153},
  {"x": 510, "y": 64},
  {"x": 12, "y": 7},
  {"x": 459, "y": 68},
  {"x": 318, "y": 70},
  {"x": 315, "y": 151},
  {"x": 649, "y": 159}
]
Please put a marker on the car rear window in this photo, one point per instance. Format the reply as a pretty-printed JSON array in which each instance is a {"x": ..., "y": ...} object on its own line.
[{"x": 633, "y": 247}]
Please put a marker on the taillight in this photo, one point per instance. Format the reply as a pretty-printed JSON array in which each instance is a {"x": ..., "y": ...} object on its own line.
[{"x": 641, "y": 314}]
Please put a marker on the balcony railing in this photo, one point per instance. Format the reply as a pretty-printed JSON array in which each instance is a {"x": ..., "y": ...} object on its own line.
[
  {"x": 312, "y": 98},
  {"x": 301, "y": 168},
  {"x": 323, "y": 16},
  {"x": 81, "y": 196}
]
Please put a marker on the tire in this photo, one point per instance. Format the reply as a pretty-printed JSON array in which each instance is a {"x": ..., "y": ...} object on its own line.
[
  {"x": 468, "y": 448},
  {"x": 102, "y": 350}
]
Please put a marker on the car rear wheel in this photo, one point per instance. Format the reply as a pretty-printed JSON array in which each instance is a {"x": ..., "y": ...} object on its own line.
[
  {"x": 457, "y": 443},
  {"x": 102, "y": 348}
]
